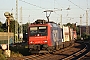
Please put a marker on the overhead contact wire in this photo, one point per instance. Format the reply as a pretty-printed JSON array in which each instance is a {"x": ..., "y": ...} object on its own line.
[
  {"x": 31, "y": 4},
  {"x": 76, "y": 5}
]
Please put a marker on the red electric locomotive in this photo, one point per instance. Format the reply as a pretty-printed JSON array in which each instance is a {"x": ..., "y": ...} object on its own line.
[{"x": 44, "y": 36}]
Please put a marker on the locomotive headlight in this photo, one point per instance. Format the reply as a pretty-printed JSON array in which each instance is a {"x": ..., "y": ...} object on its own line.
[
  {"x": 31, "y": 42},
  {"x": 45, "y": 41}
]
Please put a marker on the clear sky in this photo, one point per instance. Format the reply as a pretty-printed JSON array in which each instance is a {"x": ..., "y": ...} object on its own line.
[{"x": 33, "y": 10}]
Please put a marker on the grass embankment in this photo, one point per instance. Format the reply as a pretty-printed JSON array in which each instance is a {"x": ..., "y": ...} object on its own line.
[
  {"x": 13, "y": 54},
  {"x": 19, "y": 50},
  {"x": 16, "y": 51},
  {"x": 2, "y": 56}
]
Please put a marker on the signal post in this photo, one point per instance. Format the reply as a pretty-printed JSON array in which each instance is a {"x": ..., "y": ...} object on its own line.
[{"x": 8, "y": 15}]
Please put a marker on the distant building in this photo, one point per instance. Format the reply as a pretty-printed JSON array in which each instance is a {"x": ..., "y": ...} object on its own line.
[{"x": 83, "y": 29}]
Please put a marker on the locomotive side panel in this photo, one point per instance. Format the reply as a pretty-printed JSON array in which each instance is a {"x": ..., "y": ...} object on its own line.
[
  {"x": 56, "y": 36},
  {"x": 60, "y": 38}
]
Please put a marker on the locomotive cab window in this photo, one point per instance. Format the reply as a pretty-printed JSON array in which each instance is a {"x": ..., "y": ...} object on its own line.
[
  {"x": 41, "y": 30},
  {"x": 33, "y": 31}
]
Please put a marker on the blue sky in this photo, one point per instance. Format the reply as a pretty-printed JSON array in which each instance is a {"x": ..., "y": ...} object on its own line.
[{"x": 35, "y": 8}]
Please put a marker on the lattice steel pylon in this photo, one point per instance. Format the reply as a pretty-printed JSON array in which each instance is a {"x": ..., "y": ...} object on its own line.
[
  {"x": 80, "y": 24},
  {"x": 21, "y": 28},
  {"x": 87, "y": 28},
  {"x": 16, "y": 23}
]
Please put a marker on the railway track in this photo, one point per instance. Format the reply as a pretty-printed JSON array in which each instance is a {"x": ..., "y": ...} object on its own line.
[
  {"x": 86, "y": 56},
  {"x": 76, "y": 52},
  {"x": 39, "y": 56},
  {"x": 80, "y": 54}
]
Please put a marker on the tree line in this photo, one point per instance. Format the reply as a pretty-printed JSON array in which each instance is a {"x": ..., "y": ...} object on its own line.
[{"x": 4, "y": 27}]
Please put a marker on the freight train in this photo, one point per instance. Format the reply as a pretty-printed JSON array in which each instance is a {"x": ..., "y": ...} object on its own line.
[{"x": 46, "y": 36}]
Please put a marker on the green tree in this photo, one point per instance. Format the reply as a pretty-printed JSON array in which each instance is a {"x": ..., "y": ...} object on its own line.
[
  {"x": 1, "y": 29},
  {"x": 4, "y": 27},
  {"x": 73, "y": 25},
  {"x": 0, "y": 23},
  {"x": 12, "y": 26}
]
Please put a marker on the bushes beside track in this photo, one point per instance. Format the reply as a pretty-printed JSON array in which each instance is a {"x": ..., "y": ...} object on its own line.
[
  {"x": 17, "y": 50},
  {"x": 2, "y": 56},
  {"x": 21, "y": 49}
]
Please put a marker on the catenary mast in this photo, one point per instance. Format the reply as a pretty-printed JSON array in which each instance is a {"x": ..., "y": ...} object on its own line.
[{"x": 16, "y": 23}]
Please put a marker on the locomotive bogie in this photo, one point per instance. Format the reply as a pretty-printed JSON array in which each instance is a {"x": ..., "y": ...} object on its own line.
[{"x": 38, "y": 47}]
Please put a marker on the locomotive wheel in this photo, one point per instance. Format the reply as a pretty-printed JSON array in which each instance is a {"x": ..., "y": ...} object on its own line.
[{"x": 51, "y": 49}]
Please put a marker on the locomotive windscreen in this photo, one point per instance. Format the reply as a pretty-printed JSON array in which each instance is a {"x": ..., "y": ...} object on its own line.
[{"x": 38, "y": 30}]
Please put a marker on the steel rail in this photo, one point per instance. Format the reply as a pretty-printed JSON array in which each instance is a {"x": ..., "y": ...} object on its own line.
[{"x": 76, "y": 54}]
